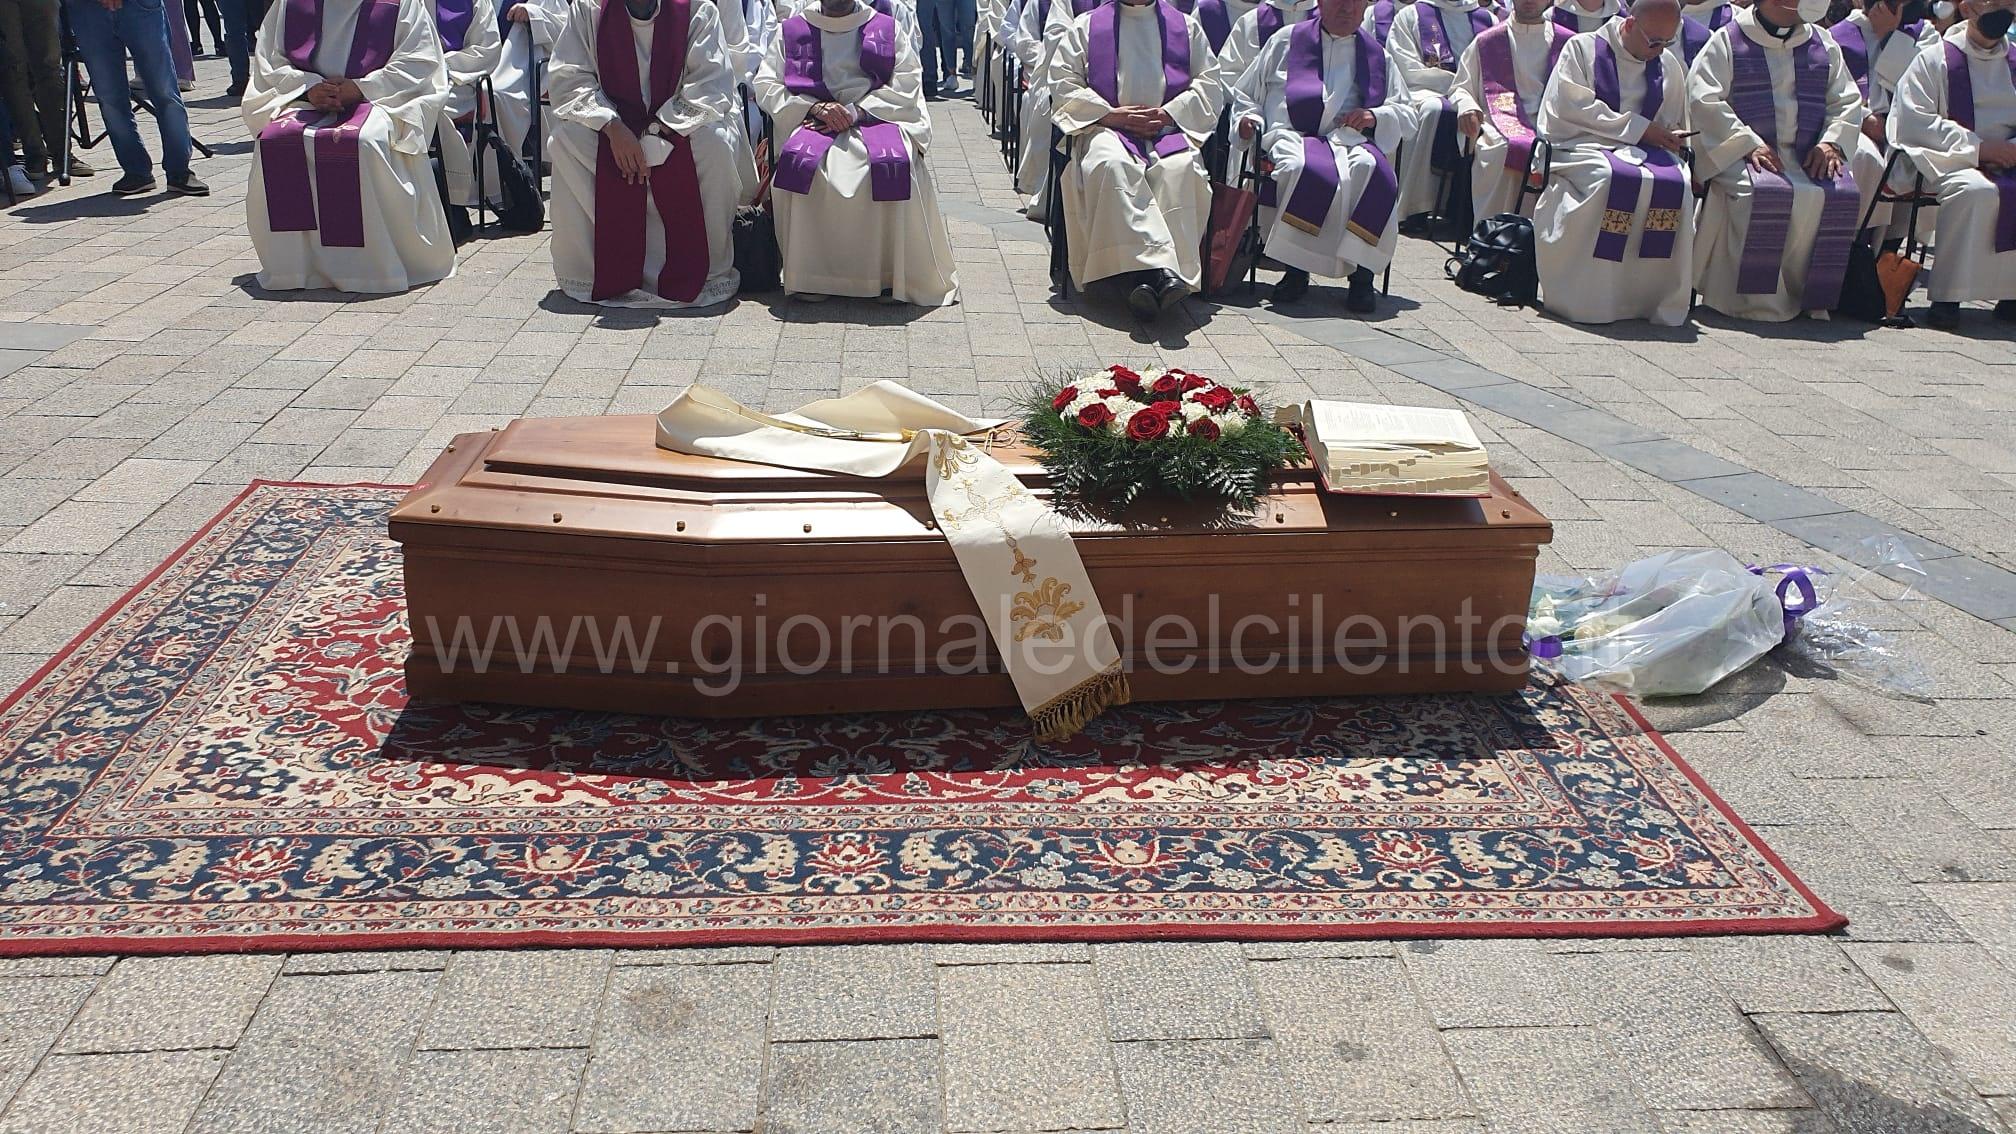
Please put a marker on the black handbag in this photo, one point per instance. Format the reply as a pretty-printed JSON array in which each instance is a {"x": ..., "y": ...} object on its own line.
[
  {"x": 522, "y": 208},
  {"x": 1497, "y": 261}
]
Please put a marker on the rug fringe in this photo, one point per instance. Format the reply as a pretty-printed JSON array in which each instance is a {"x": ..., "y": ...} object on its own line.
[{"x": 1061, "y": 717}]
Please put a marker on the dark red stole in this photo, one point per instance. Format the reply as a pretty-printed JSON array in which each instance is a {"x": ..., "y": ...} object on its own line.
[{"x": 674, "y": 184}]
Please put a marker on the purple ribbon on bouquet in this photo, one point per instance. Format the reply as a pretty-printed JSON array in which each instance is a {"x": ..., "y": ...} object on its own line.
[{"x": 1793, "y": 578}]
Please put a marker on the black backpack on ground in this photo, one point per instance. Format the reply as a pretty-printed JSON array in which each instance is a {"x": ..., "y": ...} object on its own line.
[
  {"x": 1497, "y": 262},
  {"x": 523, "y": 207}
]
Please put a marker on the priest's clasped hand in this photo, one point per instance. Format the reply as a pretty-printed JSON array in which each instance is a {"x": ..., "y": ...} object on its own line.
[
  {"x": 1998, "y": 156},
  {"x": 1360, "y": 120},
  {"x": 1141, "y": 121},
  {"x": 334, "y": 95},
  {"x": 1471, "y": 123},
  {"x": 1824, "y": 161},
  {"x": 829, "y": 118},
  {"x": 627, "y": 152}
]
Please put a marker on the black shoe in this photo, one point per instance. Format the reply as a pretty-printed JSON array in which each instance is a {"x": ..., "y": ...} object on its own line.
[
  {"x": 1169, "y": 288},
  {"x": 1142, "y": 302},
  {"x": 1416, "y": 225},
  {"x": 2005, "y": 311},
  {"x": 188, "y": 186},
  {"x": 1943, "y": 317},
  {"x": 1293, "y": 286},
  {"x": 235, "y": 90},
  {"x": 1360, "y": 299},
  {"x": 134, "y": 184}
]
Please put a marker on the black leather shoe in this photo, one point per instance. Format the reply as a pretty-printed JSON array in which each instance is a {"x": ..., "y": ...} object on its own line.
[
  {"x": 1943, "y": 317},
  {"x": 1293, "y": 286},
  {"x": 1169, "y": 289},
  {"x": 1361, "y": 299},
  {"x": 133, "y": 184},
  {"x": 2006, "y": 311},
  {"x": 1141, "y": 300}
]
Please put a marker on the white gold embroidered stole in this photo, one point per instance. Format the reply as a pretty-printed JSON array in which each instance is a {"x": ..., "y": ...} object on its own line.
[{"x": 1015, "y": 553}]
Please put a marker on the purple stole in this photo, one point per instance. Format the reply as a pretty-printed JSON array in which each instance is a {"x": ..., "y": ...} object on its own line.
[
  {"x": 1694, "y": 34},
  {"x": 1757, "y": 271},
  {"x": 1669, "y": 184},
  {"x": 1501, "y": 87},
  {"x": 1960, "y": 108},
  {"x": 805, "y": 75},
  {"x": 673, "y": 184},
  {"x": 1316, "y": 188},
  {"x": 335, "y": 209},
  {"x": 1212, "y": 17},
  {"x": 1382, "y": 14},
  {"x": 451, "y": 20},
  {"x": 1102, "y": 70},
  {"x": 1571, "y": 19}
]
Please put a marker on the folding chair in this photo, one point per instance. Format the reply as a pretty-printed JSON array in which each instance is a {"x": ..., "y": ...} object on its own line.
[
  {"x": 1917, "y": 199},
  {"x": 1011, "y": 114}
]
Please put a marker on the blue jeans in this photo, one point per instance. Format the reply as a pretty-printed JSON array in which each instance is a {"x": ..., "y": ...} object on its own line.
[
  {"x": 103, "y": 38},
  {"x": 937, "y": 22},
  {"x": 241, "y": 19}
]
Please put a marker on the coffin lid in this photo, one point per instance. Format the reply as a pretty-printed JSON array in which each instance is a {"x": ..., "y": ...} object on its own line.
[{"x": 605, "y": 476}]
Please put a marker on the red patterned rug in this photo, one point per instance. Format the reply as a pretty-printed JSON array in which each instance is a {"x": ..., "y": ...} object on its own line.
[{"x": 226, "y": 761}]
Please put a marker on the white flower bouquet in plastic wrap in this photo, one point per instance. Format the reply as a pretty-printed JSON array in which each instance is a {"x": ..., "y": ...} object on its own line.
[{"x": 1676, "y": 623}]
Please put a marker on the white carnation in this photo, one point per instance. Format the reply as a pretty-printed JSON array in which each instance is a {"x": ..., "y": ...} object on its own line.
[
  {"x": 1231, "y": 421},
  {"x": 1122, "y": 415},
  {"x": 1085, "y": 398},
  {"x": 1193, "y": 411}
]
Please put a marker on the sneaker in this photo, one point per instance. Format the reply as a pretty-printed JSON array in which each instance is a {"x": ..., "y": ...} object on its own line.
[
  {"x": 17, "y": 180},
  {"x": 80, "y": 168},
  {"x": 188, "y": 185},
  {"x": 134, "y": 184}
]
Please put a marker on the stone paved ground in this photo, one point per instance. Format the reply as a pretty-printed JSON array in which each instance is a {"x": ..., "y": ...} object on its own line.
[{"x": 148, "y": 383}]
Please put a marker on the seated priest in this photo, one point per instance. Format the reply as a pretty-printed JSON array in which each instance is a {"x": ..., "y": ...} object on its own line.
[
  {"x": 1577, "y": 16},
  {"x": 1427, "y": 43},
  {"x": 1252, "y": 31},
  {"x": 1700, "y": 20},
  {"x": 1614, "y": 228},
  {"x": 644, "y": 171},
  {"x": 1954, "y": 116},
  {"x": 343, "y": 99},
  {"x": 1497, "y": 94},
  {"x": 470, "y": 48},
  {"x": 856, "y": 211},
  {"x": 1777, "y": 114},
  {"x": 1137, "y": 89},
  {"x": 1331, "y": 105},
  {"x": 531, "y": 28},
  {"x": 1877, "y": 46}
]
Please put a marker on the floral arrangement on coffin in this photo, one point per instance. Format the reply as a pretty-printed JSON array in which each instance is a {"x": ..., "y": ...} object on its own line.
[{"x": 1116, "y": 435}]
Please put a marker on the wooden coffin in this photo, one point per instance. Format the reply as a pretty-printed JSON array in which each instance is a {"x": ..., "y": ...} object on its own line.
[{"x": 748, "y": 589}]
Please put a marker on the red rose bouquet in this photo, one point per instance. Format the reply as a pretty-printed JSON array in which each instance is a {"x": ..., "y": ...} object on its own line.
[{"x": 1114, "y": 435}]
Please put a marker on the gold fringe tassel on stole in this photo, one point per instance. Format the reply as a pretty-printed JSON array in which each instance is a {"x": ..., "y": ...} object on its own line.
[{"x": 1061, "y": 717}]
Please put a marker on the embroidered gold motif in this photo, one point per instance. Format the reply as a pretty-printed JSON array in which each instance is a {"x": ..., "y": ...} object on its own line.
[
  {"x": 1025, "y": 567},
  {"x": 1042, "y": 612},
  {"x": 1662, "y": 220},
  {"x": 1617, "y": 221}
]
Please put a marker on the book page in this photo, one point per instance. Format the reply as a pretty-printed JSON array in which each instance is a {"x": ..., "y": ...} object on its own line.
[{"x": 1344, "y": 424}]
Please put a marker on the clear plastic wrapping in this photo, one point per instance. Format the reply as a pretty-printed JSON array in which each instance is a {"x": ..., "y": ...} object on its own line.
[{"x": 1676, "y": 623}]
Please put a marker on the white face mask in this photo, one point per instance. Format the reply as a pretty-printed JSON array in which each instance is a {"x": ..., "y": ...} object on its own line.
[{"x": 1812, "y": 11}]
